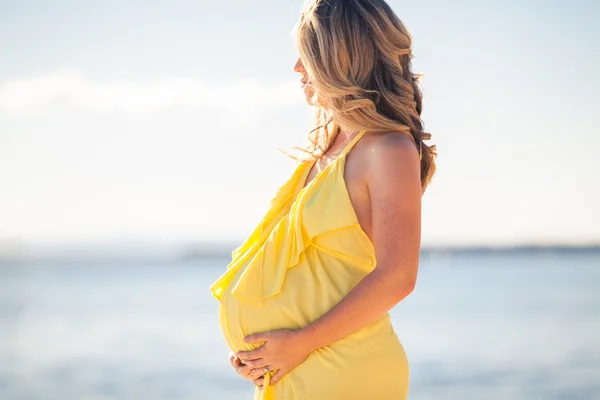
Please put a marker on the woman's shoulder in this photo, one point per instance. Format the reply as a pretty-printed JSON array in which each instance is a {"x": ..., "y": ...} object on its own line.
[
  {"x": 385, "y": 162},
  {"x": 387, "y": 150},
  {"x": 387, "y": 142}
]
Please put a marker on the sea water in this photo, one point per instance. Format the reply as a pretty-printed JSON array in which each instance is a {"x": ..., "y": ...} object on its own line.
[{"x": 479, "y": 325}]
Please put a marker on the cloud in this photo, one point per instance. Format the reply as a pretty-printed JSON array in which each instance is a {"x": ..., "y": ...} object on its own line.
[{"x": 71, "y": 90}]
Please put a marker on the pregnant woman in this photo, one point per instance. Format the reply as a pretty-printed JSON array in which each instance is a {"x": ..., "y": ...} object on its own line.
[{"x": 304, "y": 303}]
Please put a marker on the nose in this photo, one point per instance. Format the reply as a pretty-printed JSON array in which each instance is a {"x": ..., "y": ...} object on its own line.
[{"x": 299, "y": 67}]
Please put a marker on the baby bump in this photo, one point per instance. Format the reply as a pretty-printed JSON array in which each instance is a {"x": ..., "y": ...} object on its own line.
[{"x": 311, "y": 288}]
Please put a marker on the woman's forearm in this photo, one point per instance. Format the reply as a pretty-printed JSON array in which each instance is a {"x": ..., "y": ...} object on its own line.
[{"x": 374, "y": 296}]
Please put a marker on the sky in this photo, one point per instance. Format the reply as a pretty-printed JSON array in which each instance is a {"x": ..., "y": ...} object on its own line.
[{"x": 126, "y": 120}]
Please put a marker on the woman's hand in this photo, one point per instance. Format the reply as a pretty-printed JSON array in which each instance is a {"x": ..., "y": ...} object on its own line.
[
  {"x": 283, "y": 350},
  {"x": 246, "y": 371}
]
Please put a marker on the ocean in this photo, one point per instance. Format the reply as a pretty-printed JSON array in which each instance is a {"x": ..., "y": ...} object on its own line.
[{"x": 512, "y": 324}]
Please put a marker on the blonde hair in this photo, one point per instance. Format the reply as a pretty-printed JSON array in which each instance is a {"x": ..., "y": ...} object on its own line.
[{"x": 357, "y": 54}]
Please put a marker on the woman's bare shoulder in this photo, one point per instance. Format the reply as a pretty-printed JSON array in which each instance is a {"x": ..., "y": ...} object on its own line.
[{"x": 388, "y": 151}]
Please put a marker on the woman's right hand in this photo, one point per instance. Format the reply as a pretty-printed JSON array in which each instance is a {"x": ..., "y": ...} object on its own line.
[{"x": 246, "y": 371}]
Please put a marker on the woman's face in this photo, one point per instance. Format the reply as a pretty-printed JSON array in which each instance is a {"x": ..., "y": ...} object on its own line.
[{"x": 306, "y": 86}]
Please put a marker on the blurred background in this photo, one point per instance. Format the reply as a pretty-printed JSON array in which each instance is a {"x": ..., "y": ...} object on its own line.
[{"x": 138, "y": 147}]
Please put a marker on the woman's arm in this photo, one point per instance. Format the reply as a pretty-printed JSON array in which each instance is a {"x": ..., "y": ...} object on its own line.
[
  {"x": 392, "y": 176},
  {"x": 394, "y": 186}
]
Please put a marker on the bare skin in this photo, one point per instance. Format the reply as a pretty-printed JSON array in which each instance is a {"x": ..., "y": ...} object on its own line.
[{"x": 382, "y": 174}]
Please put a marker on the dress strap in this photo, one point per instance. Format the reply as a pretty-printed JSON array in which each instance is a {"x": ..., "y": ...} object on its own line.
[{"x": 350, "y": 145}]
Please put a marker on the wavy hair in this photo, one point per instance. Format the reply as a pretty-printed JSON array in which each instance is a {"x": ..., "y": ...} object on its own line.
[{"x": 357, "y": 54}]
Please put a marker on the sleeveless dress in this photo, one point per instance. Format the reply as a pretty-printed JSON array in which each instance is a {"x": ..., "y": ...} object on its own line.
[{"x": 305, "y": 255}]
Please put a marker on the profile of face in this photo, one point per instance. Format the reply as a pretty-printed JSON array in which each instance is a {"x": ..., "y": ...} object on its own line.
[{"x": 307, "y": 87}]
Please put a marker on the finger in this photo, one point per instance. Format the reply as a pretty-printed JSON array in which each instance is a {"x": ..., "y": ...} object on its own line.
[
  {"x": 257, "y": 337},
  {"x": 249, "y": 373},
  {"x": 244, "y": 371},
  {"x": 259, "y": 363},
  {"x": 277, "y": 377},
  {"x": 259, "y": 381},
  {"x": 256, "y": 373},
  {"x": 251, "y": 354},
  {"x": 234, "y": 360}
]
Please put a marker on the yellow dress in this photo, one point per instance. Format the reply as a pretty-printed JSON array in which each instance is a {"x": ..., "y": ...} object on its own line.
[{"x": 305, "y": 255}]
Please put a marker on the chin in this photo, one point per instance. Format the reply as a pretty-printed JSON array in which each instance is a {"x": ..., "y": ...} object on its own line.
[{"x": 308, "y": 96}]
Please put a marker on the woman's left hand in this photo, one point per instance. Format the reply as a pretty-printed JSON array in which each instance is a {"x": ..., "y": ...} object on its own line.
[{"x": 283, "y": 350}]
